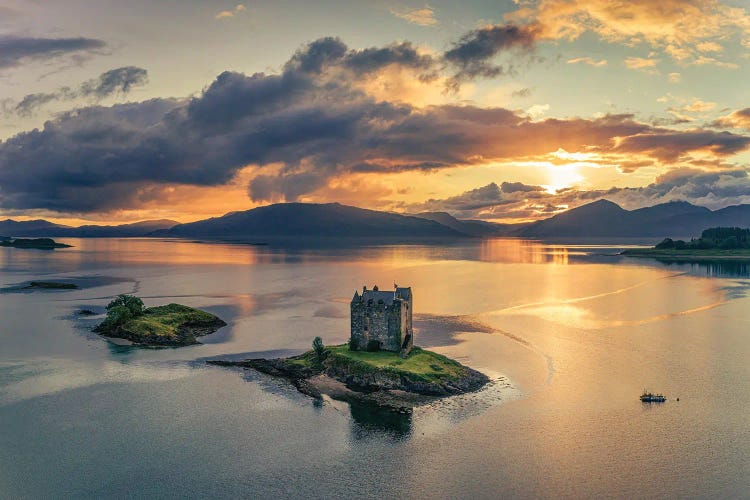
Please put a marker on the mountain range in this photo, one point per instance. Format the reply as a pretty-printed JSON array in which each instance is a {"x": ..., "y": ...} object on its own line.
[
  {"x": 606, "y": 219},
  {"x": 308, "y": 220},
  {"x": 601, "y": 218},
  {"x": 40, "y": 227}
]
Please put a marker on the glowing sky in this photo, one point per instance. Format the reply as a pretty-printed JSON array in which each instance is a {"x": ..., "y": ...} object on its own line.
[{"x": 501, "y": 110}]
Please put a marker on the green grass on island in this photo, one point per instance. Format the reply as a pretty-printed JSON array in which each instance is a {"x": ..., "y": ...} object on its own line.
[
  {"x": 419, "y": 365},
  {"x": 172, "y": 324}
]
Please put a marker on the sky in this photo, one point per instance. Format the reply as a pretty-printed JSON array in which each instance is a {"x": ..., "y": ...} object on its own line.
[{"x": 505, "y": 111}]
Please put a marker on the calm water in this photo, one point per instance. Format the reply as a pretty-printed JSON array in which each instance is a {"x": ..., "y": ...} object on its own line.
[{"x": 571, "y": 334}]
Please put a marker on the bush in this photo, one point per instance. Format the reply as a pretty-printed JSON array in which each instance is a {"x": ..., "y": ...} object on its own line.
[
  {"x": 131, "y": 302},
  {"x": 665, "y": 244},
  {"x": 729, "y": 243},
  {"x": 116, "y": 317},
  {"x": 373, "y": 346},
  {"x": 319, "y": 348},
  {"x": 353, "y": 344}
]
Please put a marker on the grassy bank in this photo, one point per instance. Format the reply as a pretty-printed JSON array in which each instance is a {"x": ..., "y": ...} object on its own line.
[
  {"x": 173, "y": 324},
  {"x": 421, "y": 365}
]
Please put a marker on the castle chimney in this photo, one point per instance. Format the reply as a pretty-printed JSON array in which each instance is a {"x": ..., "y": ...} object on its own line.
[{"x": 375, "y": 288}]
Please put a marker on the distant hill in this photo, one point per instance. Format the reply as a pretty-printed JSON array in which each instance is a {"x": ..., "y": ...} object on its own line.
[
  {"x": 10, "y": 227},
  {"x": 470, "y": 227},
  {"x": 604, "y": 218},
  {"x": 308, "y": 220},
  {"x": 40, "y": 227}
]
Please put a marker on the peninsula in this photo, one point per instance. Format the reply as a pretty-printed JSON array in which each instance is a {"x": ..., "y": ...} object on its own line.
[
  {"x": 379, "y": 364},
  {"x": 717, "y": 243},
  {"x": 172, "y": 325}
]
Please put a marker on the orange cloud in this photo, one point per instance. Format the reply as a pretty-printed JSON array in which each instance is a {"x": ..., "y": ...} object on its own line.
[
  {"x": 422, "y": 17},
  {"x": 588, "y": 60},
  {"x": 683, "y": 29},
  {"x": 736, "y": 119},
  {"x": 641, "y": 63}
]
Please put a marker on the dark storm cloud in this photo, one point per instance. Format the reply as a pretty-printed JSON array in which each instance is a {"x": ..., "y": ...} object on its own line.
[
  {"x": 329, "y": 52},
  {"x": 15, "y": 50},
  {"x": 472, "y": 55},
  {"x": 115, "y": 81},
  {"x": 299, "y": 128},
  {"x": 32, "y": 102},
  {"x": 669, "y": 145},
  {"x": 516, "y": 187}
]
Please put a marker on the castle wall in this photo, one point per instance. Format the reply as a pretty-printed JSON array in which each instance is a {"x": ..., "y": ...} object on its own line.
[
  {"x": 377, "y": 321},
  {"x": 386, "y": 321}
]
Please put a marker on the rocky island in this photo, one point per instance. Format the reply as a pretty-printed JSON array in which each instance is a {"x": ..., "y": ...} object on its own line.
[
  {"x": 379, "y": 364},
  {"x": 37, "y": 243},
  {"x": 172, "y": 325},
  {"x": 380, "y": 377},
  {"x": 50, "y": 285}
]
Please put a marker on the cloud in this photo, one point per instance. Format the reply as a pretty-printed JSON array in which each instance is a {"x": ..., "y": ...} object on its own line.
[
  {"x": 588, "y": 60},
  {"x": 472, "y": 55},
  {"x": 297, "y": 131},
  {"x": 682, "y": 29},
  {"x": 32, "y": 102},
  {"x": 226, "y": 14},
  {"x": 18, "y": 50},
  {"x": 424, "y": 16},
  {"x": 710, "y": 189},
  {"x": 114, "y": 81},
  {"x": 736, "y": 119},
  {"x": 118, "y": 80},
  {"x": 675, "y": 77},
  {"x": 524, "y": 92},
  {"x": 670, "y": 145},
  {"x": 641, "y": 63},
  {"x": 537, "y": 111},
  {"x": 699, "y": 106}
]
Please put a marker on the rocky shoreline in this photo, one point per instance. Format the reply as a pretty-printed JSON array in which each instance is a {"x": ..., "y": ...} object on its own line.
[
  {"x": 186, "y": 334},
  {"x": 381, "y": 387}
]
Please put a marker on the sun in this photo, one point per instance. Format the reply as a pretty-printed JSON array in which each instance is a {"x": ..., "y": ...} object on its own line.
[{"x": 562, "y": 176}]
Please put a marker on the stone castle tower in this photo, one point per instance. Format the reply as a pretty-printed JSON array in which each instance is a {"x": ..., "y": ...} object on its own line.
[{"x": 381, "y": 320}]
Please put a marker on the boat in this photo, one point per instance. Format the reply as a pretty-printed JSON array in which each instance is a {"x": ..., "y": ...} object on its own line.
[{"x": 650, "y": 397}]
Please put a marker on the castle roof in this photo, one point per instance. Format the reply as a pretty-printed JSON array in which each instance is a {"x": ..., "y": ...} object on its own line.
[
  {"x": 387, "y": 296},
  {"x": 377, "y": 295},
  {"x": 404, "y": 292}
]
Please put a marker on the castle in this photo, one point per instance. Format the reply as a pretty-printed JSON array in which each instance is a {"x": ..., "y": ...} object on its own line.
[{"x": 381, "y": 320}]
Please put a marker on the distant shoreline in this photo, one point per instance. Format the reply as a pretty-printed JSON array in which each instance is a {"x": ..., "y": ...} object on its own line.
[{"x": 689, "y": 255}]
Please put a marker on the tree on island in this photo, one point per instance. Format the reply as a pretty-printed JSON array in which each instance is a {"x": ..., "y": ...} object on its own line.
[
  {"x": 319, "y": 348},
  {"x": 722, "y": 238},
  {"x": 121, "y": 310}
]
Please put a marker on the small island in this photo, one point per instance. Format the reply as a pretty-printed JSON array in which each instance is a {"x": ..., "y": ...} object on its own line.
[
  {"x": 379, "y": 365},
  {"x": 36, "y": 243},
  {"x": 717, "y": 243},
  {"x": 50, "y": 285},
  {"x": 172, "y": 325}
]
